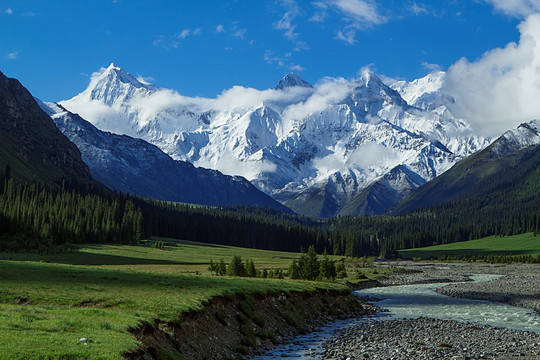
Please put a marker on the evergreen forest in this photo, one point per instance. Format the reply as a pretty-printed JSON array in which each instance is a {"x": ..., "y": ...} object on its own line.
[{"x": 34, "y": 217}]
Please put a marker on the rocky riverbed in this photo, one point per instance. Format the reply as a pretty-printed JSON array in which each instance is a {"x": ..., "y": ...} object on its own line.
[
  {"x": 424, "y": 338},
  {"x": 429, "y": 339}
]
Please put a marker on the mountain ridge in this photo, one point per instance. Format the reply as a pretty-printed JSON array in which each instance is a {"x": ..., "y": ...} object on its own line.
[
  {"x": 292, "y": 140},
  {"x": 132, "y": 165}
]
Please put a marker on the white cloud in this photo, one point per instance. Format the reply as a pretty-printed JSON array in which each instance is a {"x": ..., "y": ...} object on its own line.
[
  {"x": 329, "y": 164},
  {"x": 296, "y": 68},
  {"x": 13, "y": 55},
  {"x": 173, "y": 41},
  {"x": 319, "y": 16},
  {"x": 9, "y": 11},
  {"x": 166, "y": 42},
  {"x": 418, "y": 9},
  {"x": 431, "y": 67},
  {"x": 388, "y": 80},
  {"x": 220, "y": 29},
  {"x": 371, "y": 154},
  {"x": 240, "y": 33},
  {"x": 285, "y": 23},
  {"x": 184, "y": 34},
  {"x": 516, "y": 8},
  {"x": 502, "y": 88},
  {"x": 327, "y": 92},
  {"x": 365, "y": 156},
  {"x": 271, "y": 58},
  {"x": 321, "y": 13},
  {"x": 359, "y": 15},
  {"x": 148, "y": 80},
  {"x": 349, "y": 36},
  {"x": 231, "y": 165}
]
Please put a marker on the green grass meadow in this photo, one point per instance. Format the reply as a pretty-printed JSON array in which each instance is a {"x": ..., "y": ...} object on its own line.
[
  {"x": 48, "y": 303},
  {"x": 524, "y": 244}
]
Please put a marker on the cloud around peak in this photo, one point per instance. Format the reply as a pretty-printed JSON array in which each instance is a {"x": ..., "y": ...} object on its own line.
[{"x": 501, "y": 89}]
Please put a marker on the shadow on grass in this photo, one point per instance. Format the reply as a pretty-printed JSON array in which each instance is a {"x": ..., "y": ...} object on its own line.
[{"x": 84, "y": 258}]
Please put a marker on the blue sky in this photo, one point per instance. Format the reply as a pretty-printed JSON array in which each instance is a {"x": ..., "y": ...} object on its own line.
[{"x": 200, "y": 48}]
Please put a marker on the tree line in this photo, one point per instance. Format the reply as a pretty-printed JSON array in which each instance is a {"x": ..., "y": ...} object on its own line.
[{"x": 34, "y": 217}]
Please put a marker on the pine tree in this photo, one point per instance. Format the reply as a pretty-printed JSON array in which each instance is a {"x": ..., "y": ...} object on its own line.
[
  {"x": 328, "y": 267},
  {"x": 213, "y": 267},
  {"x": 236, "y": 267},
  {"x": 222, "y": 268},
  {"x": 251, "y": 271}
]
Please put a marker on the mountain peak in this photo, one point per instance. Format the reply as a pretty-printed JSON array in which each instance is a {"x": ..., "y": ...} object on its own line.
[
  {"x": 292, "y": 80},
  {"x": 525, "y": 135},
  {"x": 113, "y": 85},
  {"x": 370, "y": 79},
  {"x": 115, "y": 73}
]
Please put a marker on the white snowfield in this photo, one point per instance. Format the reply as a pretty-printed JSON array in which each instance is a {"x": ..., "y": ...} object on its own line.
[{"x": 314, "y": 148}]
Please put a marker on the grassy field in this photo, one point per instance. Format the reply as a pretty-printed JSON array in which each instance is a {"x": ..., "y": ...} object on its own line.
[
  {"x": 524, "y": 244},
  {"x": 48, "y": 303}
]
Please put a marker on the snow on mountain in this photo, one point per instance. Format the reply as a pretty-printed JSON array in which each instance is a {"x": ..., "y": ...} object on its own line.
[
  {"x": 132, "y": 165},
  {"x": 314, "y": 148},
  {"x": 525, "y": 135}
]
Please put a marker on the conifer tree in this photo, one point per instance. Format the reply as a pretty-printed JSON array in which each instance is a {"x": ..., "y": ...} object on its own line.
[{"x": 236, "y": 267}]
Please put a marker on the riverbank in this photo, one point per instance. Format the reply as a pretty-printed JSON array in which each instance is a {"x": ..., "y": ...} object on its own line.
[{"x": 233, "y": 327}]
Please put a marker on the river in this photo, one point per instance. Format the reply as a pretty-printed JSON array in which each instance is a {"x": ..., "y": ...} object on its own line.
[{"x": 414, "y": 301}]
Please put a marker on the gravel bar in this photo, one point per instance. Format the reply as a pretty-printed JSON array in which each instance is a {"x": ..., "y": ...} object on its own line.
[{"x": 425, "y": 338}]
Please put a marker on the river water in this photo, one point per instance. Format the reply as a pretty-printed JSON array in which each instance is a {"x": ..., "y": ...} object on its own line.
[{"x": 413, "y": 301}]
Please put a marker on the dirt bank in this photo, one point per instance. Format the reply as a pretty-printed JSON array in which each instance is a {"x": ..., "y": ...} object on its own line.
[{"x": 233, "y": 327}]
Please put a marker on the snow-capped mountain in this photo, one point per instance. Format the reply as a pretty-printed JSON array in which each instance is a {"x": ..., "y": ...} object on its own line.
[
  {"x": 425, "y": 93},
  {"x": 525, "y": 135},
  {"x": 340, "y": 146},
  {"x": 134, "y": 166}
]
